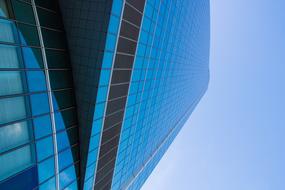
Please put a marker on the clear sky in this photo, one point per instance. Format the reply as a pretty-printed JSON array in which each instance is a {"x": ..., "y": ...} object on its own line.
[{"x": 235, "y": 138}]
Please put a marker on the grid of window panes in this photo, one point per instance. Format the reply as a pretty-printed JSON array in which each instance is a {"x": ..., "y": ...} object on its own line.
[
  {"x": 169, "y": 75},
  {"x": 100, "y": 106},
  {"x": 26, "y": 126}
]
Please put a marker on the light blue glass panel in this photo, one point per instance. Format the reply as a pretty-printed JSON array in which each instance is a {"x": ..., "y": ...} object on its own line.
[
  {"x": 46, "y": 169},
  {"x": 32, "y": 57},
  {"x": 99, "y": 110},
  {"x": 36, "y": 81},
  {"x": 11, "y": 82},
  {"x": 42, "y": 126},
  {"x": 90, "y": 171},
  {"x": 7, "y": 31},
  {"x": 94, "y": 141},
  {"x": 44, "y": 148},
  {"x": 114, "y": 24},
  {"x": 13, "y": 135},
  {"x": 88, "y": 184},
  {"x": 105, "y": 77},
  {"x": 102, "y": 94},
  {"x": 96, "y": 126},
  {"x": 111, "y": 41},
  {"x": 39, "y": 103},
  {"x": 72, "y": 186},
  {"x": 9, "y": 57},
  {"x": 117, "y": 7},
  {"x": 107, "y": 60},
  {"x": 65, "y": 159},
  {"x": 15, "y": 161},
  {"x": 48, "y": 185},
  {"x": 66, "y": 176},
  {"x": 62, "y": 140},
  {"x": 12, "y": 109}
]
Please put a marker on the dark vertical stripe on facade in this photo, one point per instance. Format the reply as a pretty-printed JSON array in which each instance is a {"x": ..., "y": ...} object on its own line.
[{"x": 121, "y": 76}]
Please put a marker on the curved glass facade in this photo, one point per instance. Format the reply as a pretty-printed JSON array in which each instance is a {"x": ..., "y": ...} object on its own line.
[{"x": 38, "y": 122}]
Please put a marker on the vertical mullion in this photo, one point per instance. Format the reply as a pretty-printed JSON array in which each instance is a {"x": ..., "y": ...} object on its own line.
[{"x": 56, "y": 167}]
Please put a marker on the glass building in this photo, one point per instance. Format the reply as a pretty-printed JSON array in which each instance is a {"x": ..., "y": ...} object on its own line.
[{"x": 93, "y": 92}]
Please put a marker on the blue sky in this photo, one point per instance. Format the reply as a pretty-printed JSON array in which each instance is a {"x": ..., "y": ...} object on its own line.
[{"x": 235, "y": 138}]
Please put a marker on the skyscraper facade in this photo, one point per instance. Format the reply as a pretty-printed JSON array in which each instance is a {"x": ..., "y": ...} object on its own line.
[{"x": 93, "y": 92}]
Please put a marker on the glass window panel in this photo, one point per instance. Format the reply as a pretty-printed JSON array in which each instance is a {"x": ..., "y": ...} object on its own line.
[
  {"x": 11, "y": 82},
  {"x": 48, "y": 185},
  {"x": 42, "y": 126},
  {"x": 65, "y": 119},
  {"x": 44, "y": 148},
  {"x": 60, "y": 79},
  {"x": 12, "y": 109},
  {"x": 102, "y": 94},
  {"x": 62, "y": 140},
  {"x": 72, "y": 186},
  {"x": 4, "y": 9},
  {"x": 36, "y": 81},
  {"x": 63, "y": 99},
  {"x": 28, "y": 35},
  {"x": 39, "y": 104},
  {"x": 65, "y": 159},
  {"x": 99, "y": 110},
  {"x": 67, "y": 176},
  {"x": 53, "y": 39},
  {"x": 46, "y": 169},
  {"x": 97, "y": 125},
  {"x": 57, "y": 59},
  {"x": 23, "y": 12},
  {"x": 7, "y": 31},
  {"x": 9, "y": 57},
  {"x": 15, "y": 161},
  {"x": 107, "y": 60},
  {"x": 46, "y": 4},
  {"x": 32, "y": 57},
  {"x": 49, "y": 19},
  {"x": 14, "y": 135},
  {"x": 105, "y": 77}
]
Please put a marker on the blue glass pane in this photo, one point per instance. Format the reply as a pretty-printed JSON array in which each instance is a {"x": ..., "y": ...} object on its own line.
[
  {"x": 62, "y": 140},
  {"x": 44, "y": 148},
  {"x": 117, "y": 7},
  {"x": 72, "y": 186},
  {"x": 7, "y": 31},
  {"x": 107, "y": 60},
  {"x": 94, "y": 142},
  {"x": 99, "y": 110},
  {"x": 42, "y": 126},
  {"x": 3, "y": 9},
  {"x": 11, "y": 82},
  {"x": 65, "y": 159},
  {"x": 15, "y": 161},
  {"x": 66, "y": 176},
  {"x": 14, "y": 135},
  {"x": 104, "y": 77},
  {"x": 48, "y": 185},
  {"x": 96, "y": 128},
  {"x": 111, "y": 41},
  {"x": 46, "y": 169},
  {"x": 39, "y": 104},
  {"x": 32, "y": 57},
  {"x": 9, "y": 57},
  {"x": 36, "y": 81},
  {"x": 114, "y": 24},
  {"x": 12, "y": 109},
  {"x": 102, "y": 94}
]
